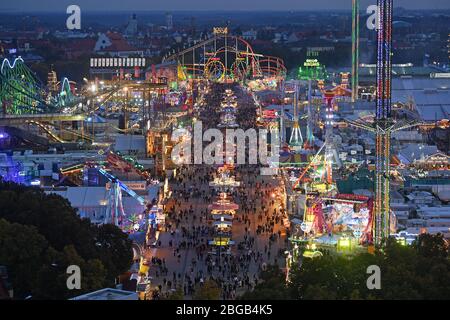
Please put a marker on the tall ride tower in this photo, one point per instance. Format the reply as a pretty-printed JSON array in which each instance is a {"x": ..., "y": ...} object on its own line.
[
  {"x": 312, "y": 70},
  {"x": 296, "y": 140},
  {"x": 383, "y": 122},
  {"x": 384, "y": 125},
  {"x": 355, "y": 49},
  {"x": 329, "y": 149}
]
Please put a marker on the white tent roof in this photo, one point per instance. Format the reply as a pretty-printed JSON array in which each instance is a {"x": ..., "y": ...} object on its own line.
[{"x": 129, "y": 142}]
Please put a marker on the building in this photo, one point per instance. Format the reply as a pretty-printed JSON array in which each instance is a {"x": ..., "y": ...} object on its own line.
[
  {"x": 416, "y": 152},
  {"x": 108, "y": 294},
  {"x": 422, "y": 198},
  {"x": 114, "y": 44},
  {"x": 169, "y": 21},
  {"x": 132, "y": 27},
  {"x": 250, "y": 35},
  {"x": 432, "y": 105},
  {"x": 130, "y": 145},
  {"x": 408, "y": 136}
]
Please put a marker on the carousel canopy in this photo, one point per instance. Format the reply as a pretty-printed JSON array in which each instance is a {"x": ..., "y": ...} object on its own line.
[
  {"x": 222, "y": 216},
  {"x": 223, "y": 206},
  {"x": 222, "y": 224}
]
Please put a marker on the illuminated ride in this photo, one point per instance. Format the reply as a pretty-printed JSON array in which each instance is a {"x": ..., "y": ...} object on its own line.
[
  {"x": 341, "y": 222},
  {"x": 21, "y": 92},
  {"x": 383, "y": 126},
  {"x": 223, "y": 58},
  {"x": 49, "y": 129},
  {"x": 150, "y": 217},
  {"x": 311, "y": 70},
  {"x": 127, "y": 164},
  {"x": 296, "y": 139},
  {"x": 223, "y": 205},
  {"x": 215, "y": 69},
  {"x": 115, "y": 213}
]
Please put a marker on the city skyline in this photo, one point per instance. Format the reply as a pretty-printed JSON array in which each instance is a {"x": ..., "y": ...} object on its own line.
[
  {"x": 224, "y": 151},
  {"x": 195, "y": 5}
]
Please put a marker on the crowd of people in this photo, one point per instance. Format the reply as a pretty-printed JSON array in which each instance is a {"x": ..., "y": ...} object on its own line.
[{"x": 258, "y": 231}]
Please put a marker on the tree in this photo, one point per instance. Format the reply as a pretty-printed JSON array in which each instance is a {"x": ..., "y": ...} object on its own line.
[
  {"x": 272, "y": 286},
  {"x": 176, "y": 295},
  {"x": 41, "y": 235},
  {"x": 115, "y": 249},
  {"x": 430, "y": 246},
  {"x": 22, "y": 251},
  {"x": 208, "y": 291},
  {"x": 420, "y": 271}
]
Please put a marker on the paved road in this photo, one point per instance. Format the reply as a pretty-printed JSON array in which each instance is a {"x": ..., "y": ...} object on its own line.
[{"x": 184, "y": 247}]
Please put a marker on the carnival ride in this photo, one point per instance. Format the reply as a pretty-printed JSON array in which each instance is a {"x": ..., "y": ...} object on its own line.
[
  {"x": 355, "y": 50},
  {"x": 23, "y": 93},
  {"x": 330, "y": 219},
  {"x": 113, "y": 160},
  {"x": 115, "y": 213},
  {"x": 127, "y": 164},
  {"x": 341, "y": 223},
  {"x": 383, "y": 125},
  {"x": 225, "y": 57},
  {"x": 27, "y": 100},
  {"x": 296, "y": 139},
  {"x": 312, "y": 70},
  {"x": 52, "y": 134}
]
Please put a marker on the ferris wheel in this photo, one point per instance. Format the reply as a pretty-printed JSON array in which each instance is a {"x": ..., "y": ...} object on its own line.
[
  {"x": 239, "y": 69},
  {"x": 214, "y": 69}
]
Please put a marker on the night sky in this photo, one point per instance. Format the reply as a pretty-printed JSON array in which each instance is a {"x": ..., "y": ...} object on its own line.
[{"x": 173, "y": 5}]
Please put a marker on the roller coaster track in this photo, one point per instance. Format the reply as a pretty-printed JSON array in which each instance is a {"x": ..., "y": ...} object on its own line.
[
  {"x": 16, "y": 89},
  {"x": 26, "y": 93},
  {"x": 255, "y": 64},
  {"x": 47, "y": 130},
  {"x": 82, "y": 136},
  {"x": 54, "y": 136},
  {"x": 110, "y": 93}
]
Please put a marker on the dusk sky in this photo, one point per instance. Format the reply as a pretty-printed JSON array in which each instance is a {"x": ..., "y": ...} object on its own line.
[{"x": 173, "y": 5}]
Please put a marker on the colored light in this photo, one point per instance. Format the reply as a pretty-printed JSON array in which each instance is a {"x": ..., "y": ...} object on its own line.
[{"x": 35, "y": 183}]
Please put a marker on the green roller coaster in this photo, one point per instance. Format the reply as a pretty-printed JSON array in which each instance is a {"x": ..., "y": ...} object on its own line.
[{"x": 21, "y": 92}]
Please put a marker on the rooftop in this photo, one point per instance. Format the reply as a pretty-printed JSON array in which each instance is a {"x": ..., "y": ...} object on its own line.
[{"x": 108, "y": 294}]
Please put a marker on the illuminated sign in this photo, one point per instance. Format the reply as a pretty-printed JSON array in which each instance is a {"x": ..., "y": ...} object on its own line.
[
  {"x": 132, "y": 185},
  {"x": 221, "y": 241},
  {"x": 35, "y": 183},
  {"x": 344, "y": 244},
  {"x": 440, "y": 75},
  {"x": 220, "y": 30},
  {"x": 117, "y": 62},
  {"x": 311, "y": 63}
]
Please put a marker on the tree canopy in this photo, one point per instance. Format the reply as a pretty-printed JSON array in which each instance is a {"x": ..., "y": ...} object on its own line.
[
  {"x": 420, "y": 271},
  {"x": 208, "y": 291},
  {"x": 41, "y": 235}
]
